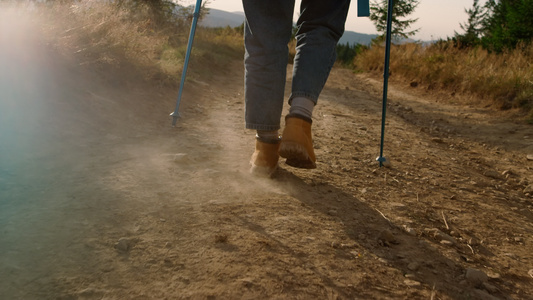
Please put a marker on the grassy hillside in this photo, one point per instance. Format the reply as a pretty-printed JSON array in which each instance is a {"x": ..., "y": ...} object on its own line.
[
  {"x": 111, "y": 34},
  {"x": 504, "y": 80}
]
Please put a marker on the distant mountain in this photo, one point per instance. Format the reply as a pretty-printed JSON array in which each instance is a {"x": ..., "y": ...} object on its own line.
[
  {"x": 352, "y": 38},
  {"x": 220, "y": 18}
]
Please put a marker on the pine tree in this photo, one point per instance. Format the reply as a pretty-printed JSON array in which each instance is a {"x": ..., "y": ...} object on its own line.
[
  {"x": 401, "y": 9},
  {"x": 509, "y": 23},
  {"x": 473, "y": 27}
]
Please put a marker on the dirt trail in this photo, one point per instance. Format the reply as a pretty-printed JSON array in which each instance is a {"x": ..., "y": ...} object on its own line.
[{"x": 101, "y": 199}]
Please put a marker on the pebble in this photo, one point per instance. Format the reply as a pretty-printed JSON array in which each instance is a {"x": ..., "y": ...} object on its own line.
[
  {"x": 123, "y": 244},
  {"x": 441, "y": 236},
  {"x": 181, "y": 157},
  {"x": 387, "y": 238},
  {"x": 467, "y": 258},
  {"x": 413, "y": 266},
  {"x": 511, "y": 255},
  {"x": 347, "y": 246},
  {"x": 356, "y": 254},
  {"x": 529, "y": 157},
  {"x": 473, "y": 241},
  {"x": 332, "y": 212},
  {"x": 383, "y": 261},
  {"x": 409, "y": 230},
  {"x": 492, "y": 174},
  {"x": 247, "y": 282},
  {"x": 476, "y": 277},
  {"x": 107, "y": 268},
  {"x": 530, "y": 272},
  {"x": 489, "y": 287},
  {"x": 444, "y": 237},
  {"x": 494, "y": 275}
]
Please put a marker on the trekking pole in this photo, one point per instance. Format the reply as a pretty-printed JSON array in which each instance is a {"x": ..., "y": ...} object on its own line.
[
  {"x": 380, "y": 158},
  {"x": 175, "y": 115}
]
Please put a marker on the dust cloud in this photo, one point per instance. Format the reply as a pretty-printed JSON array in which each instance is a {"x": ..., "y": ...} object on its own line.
[
  {"x": 85, "y": 161},
  {"x": 30, "y": 212}
]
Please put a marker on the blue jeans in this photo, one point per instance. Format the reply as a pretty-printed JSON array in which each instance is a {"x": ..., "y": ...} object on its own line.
[{"x": 267, "y": 31}]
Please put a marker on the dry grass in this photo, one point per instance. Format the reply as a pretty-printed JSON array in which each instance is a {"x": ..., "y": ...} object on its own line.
[
  {"x": 505, "y": 80},
  {"x": 114, "y": 35},
  {"x": 105, "y": 30}
]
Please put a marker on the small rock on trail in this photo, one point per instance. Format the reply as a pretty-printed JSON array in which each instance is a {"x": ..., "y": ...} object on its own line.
[
  {"x": 124, "y": 244},
  {"x": 476, "y": 277}
]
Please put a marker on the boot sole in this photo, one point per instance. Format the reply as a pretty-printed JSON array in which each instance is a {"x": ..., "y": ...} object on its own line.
[{"x": 296, "y": 155}]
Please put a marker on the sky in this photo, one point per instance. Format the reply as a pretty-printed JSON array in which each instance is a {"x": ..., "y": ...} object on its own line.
[{"x": 436, "y": 18}]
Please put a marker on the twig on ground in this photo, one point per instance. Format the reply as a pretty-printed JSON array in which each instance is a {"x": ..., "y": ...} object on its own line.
[
  {"x": 445, "y": 223},
  {"x": 433, "y": 292},
  {"x": 471, "y": 249},
  {"x": 384, "y": 216}
]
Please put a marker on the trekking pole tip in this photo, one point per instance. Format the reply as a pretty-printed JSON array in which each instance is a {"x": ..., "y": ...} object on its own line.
[
  {"x": 383, "y": 161},
  {"x": 175, "y": 116}
]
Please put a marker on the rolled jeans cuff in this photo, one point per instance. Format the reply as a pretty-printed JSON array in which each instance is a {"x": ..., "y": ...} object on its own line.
[
  {"x": 262, "y": 127},
  {"x": 307, "y": 95}
]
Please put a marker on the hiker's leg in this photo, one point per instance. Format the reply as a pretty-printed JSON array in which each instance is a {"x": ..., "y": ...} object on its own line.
[
  {"x": 320, "y": 26},
  {"x": 268, "y": 29}
]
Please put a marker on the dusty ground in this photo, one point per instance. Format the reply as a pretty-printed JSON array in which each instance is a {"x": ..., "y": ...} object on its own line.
[{"x": 101, "y": 199}]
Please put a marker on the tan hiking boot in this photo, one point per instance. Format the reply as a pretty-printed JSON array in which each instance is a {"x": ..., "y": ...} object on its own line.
[
  {"x": 297, "y": 143},
  {"x": 265, "y": 158}
]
